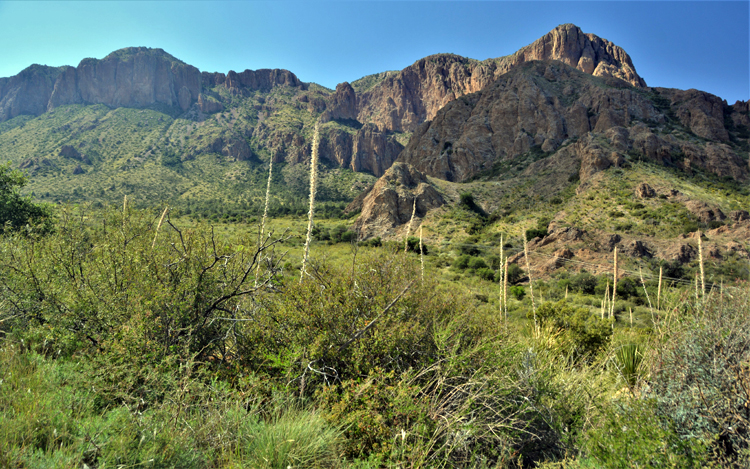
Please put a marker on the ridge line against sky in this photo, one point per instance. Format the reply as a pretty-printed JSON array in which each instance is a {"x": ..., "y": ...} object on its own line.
[{"x": 703, "y": 45}]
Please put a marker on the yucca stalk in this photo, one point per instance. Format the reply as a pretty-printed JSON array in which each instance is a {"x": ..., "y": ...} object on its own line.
[
  {"x": 640, "y": 273},
  {"x": 700, "y": 259},
  {"x": 614, "y": 288},
  {"x": 531, "y": 285},
  {"x": 313, "y": 190},
  {"x": 408, "y": 228},
  {"x": 501, "y": 276},
  {"x": 161, "y": 220},
  {"x": 605, "y": 302},
  {"x": 421, "y": 252},
  {"x": 505, "y": 289},
  {"x": 696, "y": 286},
  {"x": 658, "y": 292},
  {"x": 265, "y": 214}
]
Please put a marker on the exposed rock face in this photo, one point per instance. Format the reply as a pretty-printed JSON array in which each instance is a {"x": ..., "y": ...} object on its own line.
[
  {"x": 137, "y": 76},
  {"x": 28, "y": 92},
  {"x": 69, "y": 152},
  {"x": 374, "y": 151},
  {"x": 342, "y": 104},
  {"x": 261, "y": 80},
  {"x": 238, "y": 149},
  {"x": 403, "y": 101},
  {"x": 739, "y": 215},
  {"x": 704, "y": 212},
  {"x": 131, "y": 77},
  {"x": 701, "y": 112},
  {"x": 644, "y": 191},
  {"x": 586, "y": 52},
  {"x": 536, "y": 109},
  {"x": 682, "y": 253},
  {"x": 390, "y": 202},
  {"x": 369, "y": 150},
  {"x": 209, "y": 105}
]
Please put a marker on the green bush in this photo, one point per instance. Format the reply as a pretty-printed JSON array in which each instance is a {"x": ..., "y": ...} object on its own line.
[
  {"x": 486, "y": 274},
  {"x": 629, "y": 436},
  {"x": 584, "y": 332},
  {"x": 16, "y": 210},
  {"x": 515, "y": 274},
  {"x": 518, "y": 292},
  {"x": 702, "y": 378},
  {"x": 477, "y": 263}
]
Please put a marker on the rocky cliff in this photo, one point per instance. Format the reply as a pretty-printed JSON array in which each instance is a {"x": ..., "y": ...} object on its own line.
[
  {"x": 401, "y": 191},
  {"x": 402, "y": 101},
  {"x": 541, "y": 108},
  {"x": 131, "y": 77}
]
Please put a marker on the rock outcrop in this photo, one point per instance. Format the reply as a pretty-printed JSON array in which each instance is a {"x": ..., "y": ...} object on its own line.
[
  {"x": 543, "y": 108},
  {"x": 131, "y": 77},
  {"x": 402, "y": 101},
  {"x": 389, "y": 204},
  {"x": 341, "y": 105},
  {"x": 261, "y": 80}
]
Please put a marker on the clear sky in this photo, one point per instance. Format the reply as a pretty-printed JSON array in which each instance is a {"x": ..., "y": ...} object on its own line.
[{"x": 703, "y": 45}]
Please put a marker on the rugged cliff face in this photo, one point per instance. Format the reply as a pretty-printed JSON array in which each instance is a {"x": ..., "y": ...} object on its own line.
[
  {"x": 402, "y": 101},
  {"x": 543, "y": 107},
  {"x": 401, "y": 191},
  {"x": 131, "y": 77}
]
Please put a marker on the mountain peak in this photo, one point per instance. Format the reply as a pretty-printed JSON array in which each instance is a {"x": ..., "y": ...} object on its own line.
[
  {"x": 587, "y": 52},
  {"x": 128, "y": 52}
]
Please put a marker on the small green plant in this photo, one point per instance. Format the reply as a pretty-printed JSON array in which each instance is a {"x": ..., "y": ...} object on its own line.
[{"x": 628, "y": 361}]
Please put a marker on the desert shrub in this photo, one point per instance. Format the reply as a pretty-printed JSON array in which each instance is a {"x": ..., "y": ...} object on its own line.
[
  {"x": 462, "y": 262},
  {"x": 16, "y": 210},
  {"x": 584, "y": 332},
  {"x": 477, "y": 263},
  {"x": 536, "y": 233},
  {"x": 412, "y": 244},
  {"x": 518, "y": 292},
  {"x": 336, "y": 325},
  {"x": 628, "y": 435},
  {"x": 103, "y": 287},
  {"x": 486, "y": 273},
  {"x": 702, "y": 379},
  {"x": 515, "y": 273},
  {"x": 373, "y": 410}
]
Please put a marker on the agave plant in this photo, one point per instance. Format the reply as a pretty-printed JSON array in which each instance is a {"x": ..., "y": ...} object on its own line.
[{"x": 629, "y": 360}]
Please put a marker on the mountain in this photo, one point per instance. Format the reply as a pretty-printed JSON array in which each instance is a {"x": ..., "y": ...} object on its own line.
[
  {"x": 377, "y": 114},
  {"x": 548, "y": 107},
  {"x": 568, "y": 107},
  {"x": 401, "y": 101}
]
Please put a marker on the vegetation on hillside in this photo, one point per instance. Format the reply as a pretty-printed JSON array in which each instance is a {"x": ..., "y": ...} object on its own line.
[{"x": 125, "y": 341}]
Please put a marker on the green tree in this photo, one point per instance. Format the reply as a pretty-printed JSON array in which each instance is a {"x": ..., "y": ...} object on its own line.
[{"x": 15, "y": 209}]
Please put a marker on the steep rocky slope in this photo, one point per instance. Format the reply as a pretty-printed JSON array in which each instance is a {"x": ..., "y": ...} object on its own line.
[
  {"x": 368, "y": 124},
  {"x": 402, "y": 101},
  {"x": 542, "y": 108}
]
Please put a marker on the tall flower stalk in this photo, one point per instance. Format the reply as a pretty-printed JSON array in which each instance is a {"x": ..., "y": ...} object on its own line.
[
  {"x": 158, "y": 227},
  {"x": 421, "y": 252},
  {"x": 531, "y": 285},
  {"x": 408, "y": 228},
  {"x": 313, "y": 191},
  {"x": 265, "y": 214}
]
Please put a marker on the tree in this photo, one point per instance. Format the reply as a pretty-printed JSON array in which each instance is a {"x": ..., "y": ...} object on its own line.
[{"x": 16, "y": 210}]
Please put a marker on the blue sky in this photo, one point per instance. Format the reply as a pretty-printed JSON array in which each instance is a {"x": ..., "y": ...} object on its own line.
[{"x": 703, "y": 45}]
